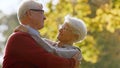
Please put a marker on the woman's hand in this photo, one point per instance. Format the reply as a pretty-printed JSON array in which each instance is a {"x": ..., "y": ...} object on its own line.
[
  {"x": 21, "y": 28},
  {"x": 53, "y": 43},
  {"x": 77, "y": 62}
]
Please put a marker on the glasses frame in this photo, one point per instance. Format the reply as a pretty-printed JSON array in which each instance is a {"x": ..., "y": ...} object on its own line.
[{"x": 37, "y": 10}]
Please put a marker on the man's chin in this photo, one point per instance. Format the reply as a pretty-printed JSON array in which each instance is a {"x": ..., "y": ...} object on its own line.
[{"x": 39, "y": 28}]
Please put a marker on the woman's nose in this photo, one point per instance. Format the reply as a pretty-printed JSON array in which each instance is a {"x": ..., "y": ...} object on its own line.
[{"x": 60, "y": 30}]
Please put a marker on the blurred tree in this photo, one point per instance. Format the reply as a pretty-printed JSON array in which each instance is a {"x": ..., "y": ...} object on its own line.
[
  {"x": 11, "y": 21},
  {"x": 7, "y": 23}
]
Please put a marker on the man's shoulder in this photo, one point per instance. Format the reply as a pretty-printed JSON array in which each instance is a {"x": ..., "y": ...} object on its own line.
[{"x": 19, "y": 34}]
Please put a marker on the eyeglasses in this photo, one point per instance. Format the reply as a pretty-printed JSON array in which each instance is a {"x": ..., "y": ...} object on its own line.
[{"x": 37, "y": 10}]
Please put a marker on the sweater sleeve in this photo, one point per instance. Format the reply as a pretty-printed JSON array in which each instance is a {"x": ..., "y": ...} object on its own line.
[{"x": 23, "y": 48}]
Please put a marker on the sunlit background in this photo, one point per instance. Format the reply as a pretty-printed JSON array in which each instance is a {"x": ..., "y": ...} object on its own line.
[{"x": 100, "y": 49}]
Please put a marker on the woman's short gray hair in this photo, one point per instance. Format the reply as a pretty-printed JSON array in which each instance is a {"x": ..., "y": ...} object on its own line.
[
  {"x": 27, "y": 5},
  {"x": 78, "y": 25}
]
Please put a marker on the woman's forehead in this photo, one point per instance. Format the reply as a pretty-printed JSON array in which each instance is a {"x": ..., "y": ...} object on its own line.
[
  {"x": 65, "y": 25},
  {"x": 61, "y": 26}
]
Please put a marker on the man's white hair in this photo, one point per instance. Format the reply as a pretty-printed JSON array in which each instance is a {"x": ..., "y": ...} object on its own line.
[
  {"x": 78, "y": 25},
  {"x": 27, "y": 5}
]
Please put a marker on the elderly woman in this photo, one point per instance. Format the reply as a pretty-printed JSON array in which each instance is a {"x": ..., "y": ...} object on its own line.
[{"x": 73, "y": 30}]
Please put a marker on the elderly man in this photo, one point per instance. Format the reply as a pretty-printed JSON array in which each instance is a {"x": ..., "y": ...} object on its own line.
[{"x": 22, "y": 51}]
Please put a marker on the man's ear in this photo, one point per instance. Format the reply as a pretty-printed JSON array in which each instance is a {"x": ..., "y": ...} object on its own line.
[{"x": 28, "y": 13}]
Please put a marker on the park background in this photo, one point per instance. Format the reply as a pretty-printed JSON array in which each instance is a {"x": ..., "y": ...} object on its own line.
[{"x": 101, "y": 47}]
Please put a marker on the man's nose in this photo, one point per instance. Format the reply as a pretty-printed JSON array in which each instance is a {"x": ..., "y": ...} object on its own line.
[{"x": 44, "y": 17}]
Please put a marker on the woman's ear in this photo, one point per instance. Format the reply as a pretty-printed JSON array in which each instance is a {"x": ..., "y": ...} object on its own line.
[{"x": 76, "y": 36}]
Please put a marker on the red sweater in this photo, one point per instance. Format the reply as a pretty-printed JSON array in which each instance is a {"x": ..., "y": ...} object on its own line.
[{"x": 22, "y": 51}]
